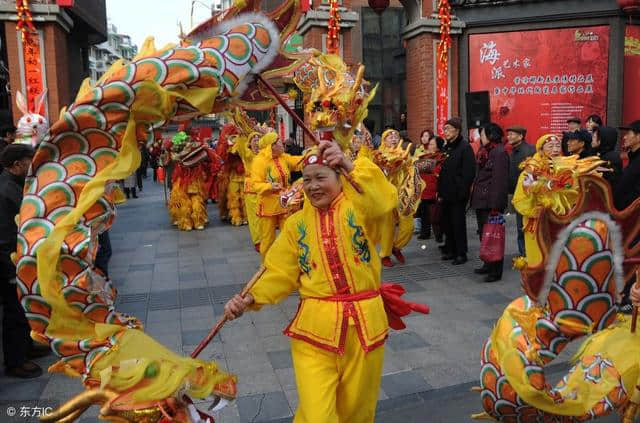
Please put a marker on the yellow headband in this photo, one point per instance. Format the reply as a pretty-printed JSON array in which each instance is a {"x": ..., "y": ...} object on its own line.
[
  {"x": 543, "y": 140},
  {"x": 386, "y": 133},
  {"x": 268, "y": 140}
]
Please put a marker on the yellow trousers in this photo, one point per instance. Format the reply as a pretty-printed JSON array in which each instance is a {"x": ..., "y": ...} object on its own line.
[
  {"x": 251, "y": 202},
  {"x": 336, "y": 388},
  {"x": 268, "y": 227},
  {"x": 396, "y": 233}
]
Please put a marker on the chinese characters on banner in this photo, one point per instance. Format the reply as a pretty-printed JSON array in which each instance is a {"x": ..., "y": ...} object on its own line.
[
  {"x": 539, "y": 79},
  {"x": 33, "y": 68},
  {"x": 631, "y": 101}
]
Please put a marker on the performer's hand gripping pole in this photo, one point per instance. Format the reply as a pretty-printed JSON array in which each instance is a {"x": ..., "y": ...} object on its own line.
[
  {"x": 301, "y": 123},
  {"x": 214, "y": 331}
]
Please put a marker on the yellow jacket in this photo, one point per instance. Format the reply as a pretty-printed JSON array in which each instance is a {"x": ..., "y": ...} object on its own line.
[
  {"x": 328, "y": 253},
  {"x": 265, "y": 170},
  {"x": 247, "y": 156}
]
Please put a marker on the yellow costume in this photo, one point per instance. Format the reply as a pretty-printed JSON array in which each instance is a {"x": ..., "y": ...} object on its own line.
[
  {"x": 266, "y": 170},
  {"x": 242, "y": 148},
  {"x": 547, "y": 183},
  {"x": 341, "y": 324},
  {"x": 397, "y": 229}
]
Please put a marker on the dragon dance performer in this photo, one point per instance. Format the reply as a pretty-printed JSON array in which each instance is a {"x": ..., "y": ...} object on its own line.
[
  {"x": 548, "y": 180},
  {"x": 393, "y": 241},
  {"x": 270, "y": 174},
  {"x": 324, "y": 252},
  {"x": 233, "y": 175},
  {"x": 194, "y": 164},
  {"x": 248, "y": 148}
]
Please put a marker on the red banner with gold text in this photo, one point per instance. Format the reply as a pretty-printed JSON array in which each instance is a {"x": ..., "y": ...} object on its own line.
[
  {"x": 631, "y": 102},
  {"x": 33, "y": 68},
  {"x": 538, "y": 79}
]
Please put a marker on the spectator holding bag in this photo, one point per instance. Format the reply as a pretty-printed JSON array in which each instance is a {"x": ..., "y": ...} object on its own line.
[{"x": 491, "y": 189}]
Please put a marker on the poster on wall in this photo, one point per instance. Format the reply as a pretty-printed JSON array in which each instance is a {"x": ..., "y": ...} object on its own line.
[
  {"x": 539, "y": 79},
  {"x": 631, "y": 101},
  {"x": 33, "y": 68}
]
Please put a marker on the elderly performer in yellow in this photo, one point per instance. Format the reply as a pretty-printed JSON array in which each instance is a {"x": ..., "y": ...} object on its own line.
[
  {"x": 398, "y": 229},
  {"x": 248, "y": 148},
  {"x": 548, "y": 181},
  {"x": 270, "y": 174},
  {"x": 325, "y": 253}
]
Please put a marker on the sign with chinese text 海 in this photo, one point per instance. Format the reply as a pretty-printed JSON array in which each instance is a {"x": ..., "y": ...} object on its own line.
[
  {"x": 539, "y": 79},
  {"x": 34, "y": 81},
  {"x": 631, "y": 102}
]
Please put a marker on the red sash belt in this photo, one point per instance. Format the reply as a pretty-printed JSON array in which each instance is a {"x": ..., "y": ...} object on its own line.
[{"x": 394, "y": 305}]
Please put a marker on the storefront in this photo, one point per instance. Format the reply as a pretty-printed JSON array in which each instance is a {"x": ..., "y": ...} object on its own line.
[{"x": 543, "y": 62}]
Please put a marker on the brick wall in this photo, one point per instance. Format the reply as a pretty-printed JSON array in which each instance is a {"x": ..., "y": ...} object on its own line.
[
  {"x": 420, "y": 80},
  {"x": 14, "y": 67}
]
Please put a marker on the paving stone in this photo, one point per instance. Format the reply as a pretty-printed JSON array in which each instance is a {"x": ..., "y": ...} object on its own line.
[
  {"x": 193, "y": 337},
  {"x": 493, "y": 298},
  {"x": 140, "y": 267},
  {"x": 191, "y": 276},
  {"x": 225, "y": 292},
  {"x": 14, "y": 389},
  {"x": 280, "y": 359},
  {"x": 403, "y": 383},
  {"x": 405, "y": 340},
  {"x": 195, "y": 297},
  {"x": 168, "y": 254},
  {"x": 263, "y": 407},
  {"x": 164, "y": 300}
]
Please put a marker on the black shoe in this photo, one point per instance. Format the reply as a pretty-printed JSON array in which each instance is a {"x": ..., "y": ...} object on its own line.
[
  {"x": 446, "y": 257},
  {"x": 439, "y": 239},
  {"x": 459, "y": 260},
  {"x": 492, "y": 278},
  {"x": 442, "y": 248},
  {"x": 484, "y": 270},
  {"x": 27, "y": 370},
  {"x": 423, "y": 237}
]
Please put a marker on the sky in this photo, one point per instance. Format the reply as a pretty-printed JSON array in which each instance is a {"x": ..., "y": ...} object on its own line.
[{"x": 158, "y": 18}]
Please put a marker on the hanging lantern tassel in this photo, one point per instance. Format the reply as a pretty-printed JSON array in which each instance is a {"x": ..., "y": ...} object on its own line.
[
  {"x": 442, "y": 77},
  {"x": 25, "y": 19},
  {"x": 333, "y": 30}
]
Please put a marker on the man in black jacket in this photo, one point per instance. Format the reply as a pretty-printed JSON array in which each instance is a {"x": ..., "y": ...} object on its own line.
[
  {"x": 454, "y": 187},
  {"x": 520, "y": 151},
  {"x": 16, "y": 342},
  {"x": 627, "y": 188}
]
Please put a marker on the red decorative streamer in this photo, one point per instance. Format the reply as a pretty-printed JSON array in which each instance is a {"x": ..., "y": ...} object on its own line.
[
  {"x": 25, "y": 20},
  {"x": 442, "y": 65},
  {"x": 333, "y": 41}
]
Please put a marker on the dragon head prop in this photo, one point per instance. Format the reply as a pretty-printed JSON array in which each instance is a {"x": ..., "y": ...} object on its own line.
[
  {"x": 187, "y": 150},
  {"x": 337, "y": 99}
]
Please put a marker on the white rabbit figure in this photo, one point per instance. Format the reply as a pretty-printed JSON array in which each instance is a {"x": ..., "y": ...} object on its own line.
[{"x": 32, "y": 127}]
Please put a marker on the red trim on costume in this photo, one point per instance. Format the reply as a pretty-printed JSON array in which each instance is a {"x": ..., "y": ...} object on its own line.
[
  {"x": 283, "y": 176},
  {"x": 330, "y": 247}
]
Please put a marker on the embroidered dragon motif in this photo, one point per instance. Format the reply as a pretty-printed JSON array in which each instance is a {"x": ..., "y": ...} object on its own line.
[
  {"x": 303, "y": 249},
  {"x": 358, "y": 240}
]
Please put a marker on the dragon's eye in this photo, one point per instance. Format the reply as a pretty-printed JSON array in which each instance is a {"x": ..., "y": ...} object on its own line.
[{"x": 326, "y": 104}]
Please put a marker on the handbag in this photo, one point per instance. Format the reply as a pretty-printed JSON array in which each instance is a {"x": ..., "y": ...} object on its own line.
[{"x": 493, "y": 239}]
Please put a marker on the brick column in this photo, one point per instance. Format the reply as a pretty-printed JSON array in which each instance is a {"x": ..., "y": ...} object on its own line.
[{"x": 421, "y": 37}]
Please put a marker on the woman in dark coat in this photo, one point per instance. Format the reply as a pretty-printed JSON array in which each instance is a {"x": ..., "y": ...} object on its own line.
[
  {"x": 491, "y": 189},
  {"x": 604, "y": 142}
]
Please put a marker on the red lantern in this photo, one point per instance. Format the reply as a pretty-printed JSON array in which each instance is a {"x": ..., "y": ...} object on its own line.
[
  {"x": 629, "y": 6},
  {"x": 160, "y": 174},
  {"x": 378, "y": 6}
]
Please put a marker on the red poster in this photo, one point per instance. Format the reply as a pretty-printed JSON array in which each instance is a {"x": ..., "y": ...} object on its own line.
[
  {"x": 631, "y": 102},
  {"x": 33, "y": 68},
  {"x": 538, "y": 79},
  {"x": 442, "y": 95}
]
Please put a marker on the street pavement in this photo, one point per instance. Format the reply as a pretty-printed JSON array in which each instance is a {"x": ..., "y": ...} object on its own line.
[{"x": 177, "y": 282}]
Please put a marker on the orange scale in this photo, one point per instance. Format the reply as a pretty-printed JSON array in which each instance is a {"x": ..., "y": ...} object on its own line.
[
  {"x": 206, "y": 81},
  {"x": 563, "y": 265},
  {"x": 601, "y": 228},
  {"x": 577, "y": 289},
  {"x": 537, "y": 380},
  {"x": 116, "y": 116},
  {"x": 103, "y": 160},
  {"x": 617, "y": 397},
  {"x": 114, "y": 93},
  {"x": 74, "y": 238},
  {"x": 77, "y": 188},
  {"x": 145, "y": 71},
  {"x": 178, "y": 75},
  {"x": 69, "y": 348},
  {"x": 215, "y": 43},
  {"x": 38, "y": 327},
  {"x": 70, "y": 145},
  {"x": 507, "y": 392},
  {"x": 119, "y": 75},
  {"x": 528, "y": 415},
  {"x": 98, "y": 139},
  {"x": 183, "y": 54},
  {"x": 241, "y": 29},
  {"x": 98, "y": 314},
  {"x": 490, "y": 381},
  {"x": 94, "y": 211},
  {"x": 77, "y": 167},
  {"x": 70, "y": 267},
  {"x": 39, "y": 308},
  {"x": 555, "y": 301},
  {"x": 488, "y": 403},
  {"x": 581, "y": 247},
  {"x": 76, "y": 297},
  {"x": 47, "y": 176},
  {"x": 596, "y": 309},
  {"x": 600, "y": 409},
  {"x": 60, "y": 126},
  {"x": 600, "y": 270},
  {"x": 262, "y": 36},
  {"x": 27, "y": 211},
  {"x": 505, "y": 409},
  {"x": 34, "y": 234},
  {"x": 42, "y": 156}
]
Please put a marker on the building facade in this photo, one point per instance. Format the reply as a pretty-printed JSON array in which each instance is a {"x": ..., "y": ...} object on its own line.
[
  {"x": 55, "y": 57},
  {"x": 103, "y": 55}
]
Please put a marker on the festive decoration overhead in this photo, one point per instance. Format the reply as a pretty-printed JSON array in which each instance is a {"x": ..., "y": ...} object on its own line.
[
  {"x": 442, "y": 64},
  {"x": 378, "y": 6},
  {"x": 25, "y": 20},
  {"x": 333, "y": 37}
]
